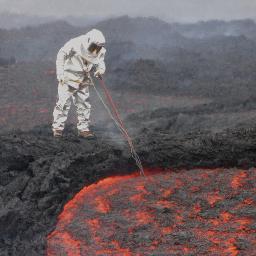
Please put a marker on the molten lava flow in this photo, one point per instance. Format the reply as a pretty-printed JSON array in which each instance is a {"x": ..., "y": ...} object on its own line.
[{"x": 195, "y": 212}]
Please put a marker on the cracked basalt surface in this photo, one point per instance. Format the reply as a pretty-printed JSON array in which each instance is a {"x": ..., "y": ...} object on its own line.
[{"x": 39, "y": 174}]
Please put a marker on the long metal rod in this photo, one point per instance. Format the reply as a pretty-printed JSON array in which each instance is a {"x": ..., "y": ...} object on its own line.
[{"x": 119, "y": 123}]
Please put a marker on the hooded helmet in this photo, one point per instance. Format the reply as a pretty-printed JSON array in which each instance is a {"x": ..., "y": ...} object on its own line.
[{"x": 96, "y": 41}]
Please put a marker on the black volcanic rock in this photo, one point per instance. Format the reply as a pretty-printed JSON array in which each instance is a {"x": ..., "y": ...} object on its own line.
[{"x": 39, "y": 174}]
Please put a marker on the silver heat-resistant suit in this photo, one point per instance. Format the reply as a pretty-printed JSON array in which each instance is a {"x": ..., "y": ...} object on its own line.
[{"x": 73, "y": 64}]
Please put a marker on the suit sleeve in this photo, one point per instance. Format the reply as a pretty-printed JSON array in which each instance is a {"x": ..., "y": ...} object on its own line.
[
  {"x": 101, "y": 66},
  {"x": 62, "y": 53}
]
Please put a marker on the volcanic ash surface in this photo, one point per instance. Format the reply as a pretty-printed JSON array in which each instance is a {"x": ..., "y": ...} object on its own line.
[{"x": 195, "y": 212}]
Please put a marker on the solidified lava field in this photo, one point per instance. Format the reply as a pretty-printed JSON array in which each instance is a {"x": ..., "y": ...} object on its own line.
[
  {"x": 205, "y": 212},
  {"x": 195, "y": 212},
  {"x": 196, "y": 125}
]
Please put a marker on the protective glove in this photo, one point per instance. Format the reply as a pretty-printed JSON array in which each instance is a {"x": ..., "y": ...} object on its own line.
[{"x": 98, "y": 73}]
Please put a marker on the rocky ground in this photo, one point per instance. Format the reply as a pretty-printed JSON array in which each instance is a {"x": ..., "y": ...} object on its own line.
[
  {"x": 40, "y": 174},
  {"x": 188, "y": 104}
]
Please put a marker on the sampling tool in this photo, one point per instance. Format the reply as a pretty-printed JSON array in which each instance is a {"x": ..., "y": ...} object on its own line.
[{"x": 115, "y": 116}]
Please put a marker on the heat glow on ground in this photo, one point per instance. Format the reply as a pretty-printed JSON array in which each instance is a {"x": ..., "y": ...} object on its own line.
[{"x": 188, "y": 212}]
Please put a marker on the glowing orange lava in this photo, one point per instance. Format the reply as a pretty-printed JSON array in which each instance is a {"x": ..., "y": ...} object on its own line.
[{"x": 189, "y": 212}]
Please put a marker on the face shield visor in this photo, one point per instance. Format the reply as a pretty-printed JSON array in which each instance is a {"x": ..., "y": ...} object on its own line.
[{"x": 95, "y": 48}]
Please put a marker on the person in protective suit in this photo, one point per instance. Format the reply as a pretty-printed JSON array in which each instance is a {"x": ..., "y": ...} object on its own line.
[{"x": 74, "y": 62}]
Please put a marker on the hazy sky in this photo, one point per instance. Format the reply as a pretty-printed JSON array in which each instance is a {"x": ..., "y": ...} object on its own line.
[{"x": 170, "y": 10}]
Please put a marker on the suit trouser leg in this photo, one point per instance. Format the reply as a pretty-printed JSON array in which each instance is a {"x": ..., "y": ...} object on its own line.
[
  {"x": 83, "y": 108},
  {"x": 60, "y": 112}
]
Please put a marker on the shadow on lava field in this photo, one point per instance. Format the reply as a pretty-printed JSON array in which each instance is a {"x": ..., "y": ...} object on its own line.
[{"x": 195, "y": 212}]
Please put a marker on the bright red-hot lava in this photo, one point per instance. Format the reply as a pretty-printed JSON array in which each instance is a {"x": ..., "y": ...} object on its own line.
[{"x": 195, "y": 212}]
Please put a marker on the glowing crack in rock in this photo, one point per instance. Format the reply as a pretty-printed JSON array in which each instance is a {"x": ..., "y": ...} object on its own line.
[{"x": 187, "y": 212}]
